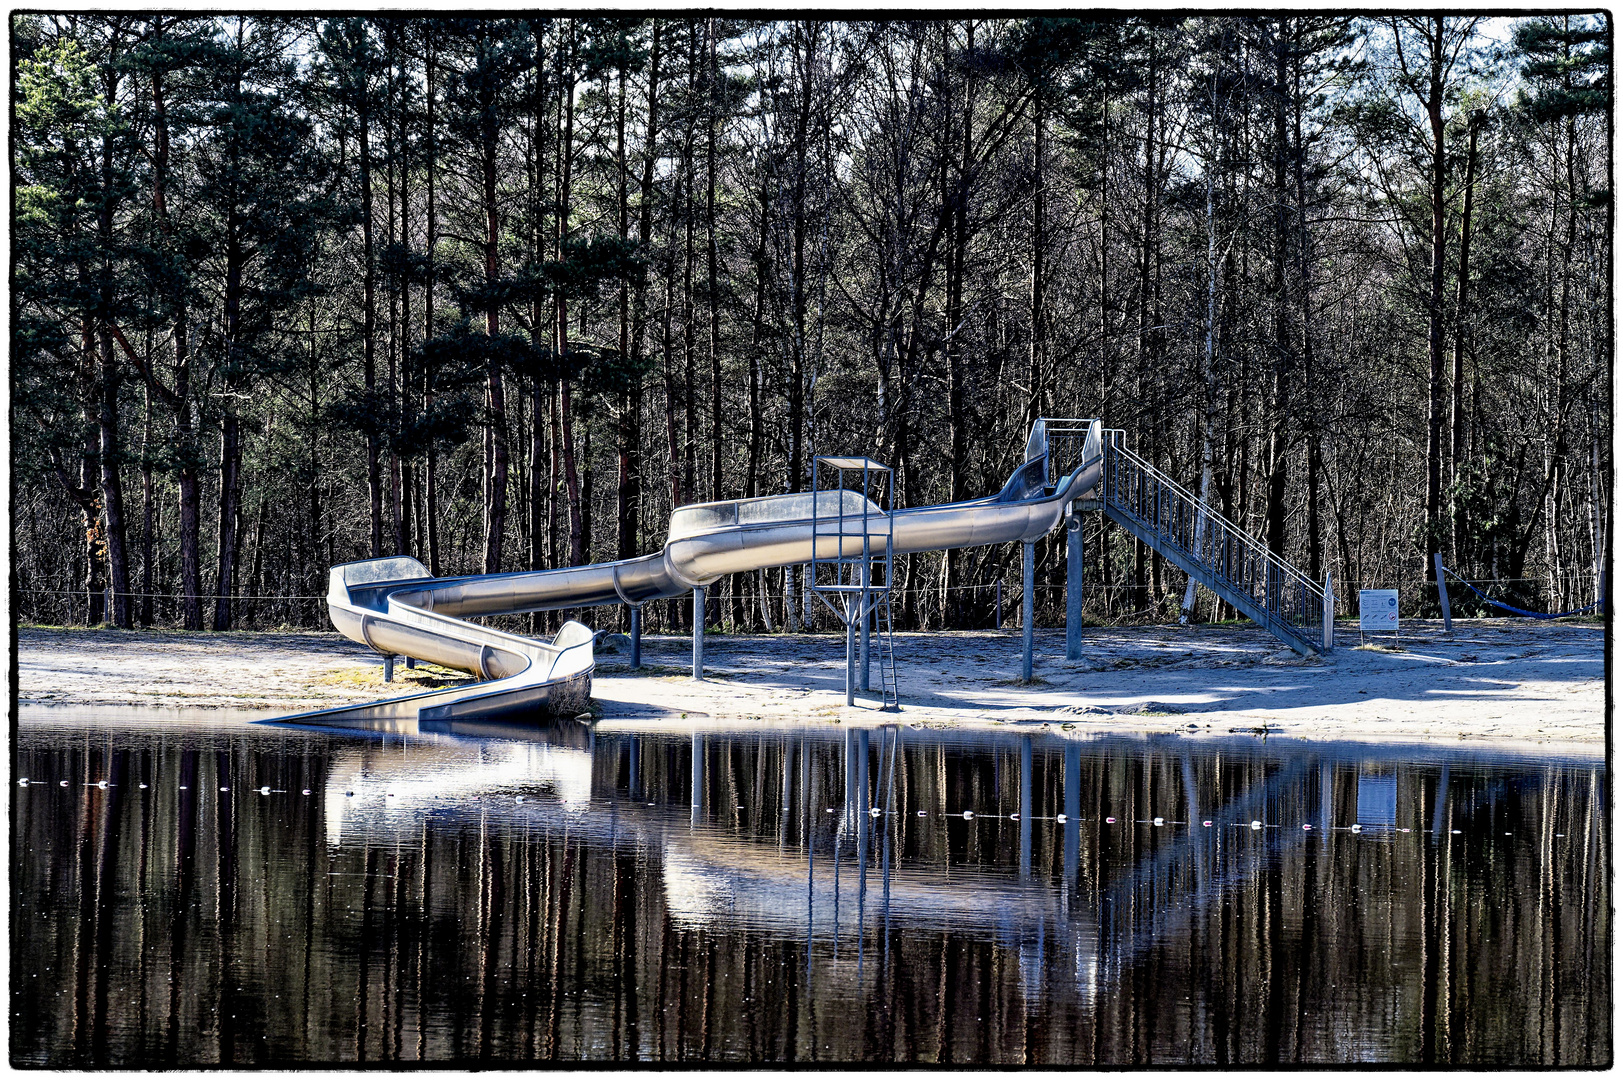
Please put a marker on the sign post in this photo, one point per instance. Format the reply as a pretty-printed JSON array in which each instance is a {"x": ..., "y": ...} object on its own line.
[{"x": 1378, "y": 610}]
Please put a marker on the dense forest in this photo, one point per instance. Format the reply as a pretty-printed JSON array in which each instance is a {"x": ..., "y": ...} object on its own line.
[{"x": 499, "y": 293}]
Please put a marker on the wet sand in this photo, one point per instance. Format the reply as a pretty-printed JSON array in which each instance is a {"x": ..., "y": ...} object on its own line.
[{"x": 1493, "y": 680}]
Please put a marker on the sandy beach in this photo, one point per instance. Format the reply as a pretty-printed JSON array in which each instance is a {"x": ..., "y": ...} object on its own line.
[{"x": 1493, "y": 680}]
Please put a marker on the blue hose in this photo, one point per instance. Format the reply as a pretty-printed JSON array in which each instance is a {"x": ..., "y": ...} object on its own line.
[{"x": 1522, "y": 611}]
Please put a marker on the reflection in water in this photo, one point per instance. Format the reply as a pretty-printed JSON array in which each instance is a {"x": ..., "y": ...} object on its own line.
[{"x": 484, "y": 893}]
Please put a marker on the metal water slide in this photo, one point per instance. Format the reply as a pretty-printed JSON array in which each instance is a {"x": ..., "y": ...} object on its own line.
[{"x": 396, "y": 607}]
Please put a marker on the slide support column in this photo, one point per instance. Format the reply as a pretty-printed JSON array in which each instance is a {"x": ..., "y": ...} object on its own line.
[
  {"x": 851, "y": 651},
  {"x": 1028, "y": 587},
  {"x": 636, "y": 636},
  {"x": 698, "y": 631},
  {"x": 863, "y": 614},
  {"x": 1073, "y": 585}
]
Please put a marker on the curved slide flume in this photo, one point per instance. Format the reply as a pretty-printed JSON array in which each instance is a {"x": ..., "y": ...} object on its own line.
[{"x": 393, "y": 605}]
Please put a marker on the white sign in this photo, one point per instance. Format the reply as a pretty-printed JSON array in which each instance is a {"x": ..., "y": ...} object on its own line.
[{"x": 1378, "y": 609}]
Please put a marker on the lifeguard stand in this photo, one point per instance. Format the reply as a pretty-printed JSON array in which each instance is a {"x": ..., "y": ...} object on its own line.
[{"x": 852, "y": 540}]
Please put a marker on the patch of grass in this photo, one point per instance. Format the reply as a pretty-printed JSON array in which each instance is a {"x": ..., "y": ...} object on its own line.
[
  {"x": 646, "y": 669},
  {"x": 423, "y": 677}
]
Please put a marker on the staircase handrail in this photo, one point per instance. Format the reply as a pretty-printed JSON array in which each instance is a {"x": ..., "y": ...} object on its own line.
[{"x": 1115, "y": 438}]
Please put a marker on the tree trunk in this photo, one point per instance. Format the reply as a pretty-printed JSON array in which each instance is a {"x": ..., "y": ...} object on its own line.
[
  {"x": 577, "y": 551},
  {"x": 1456, "y": 419},
  {"x": 230, "y": 427},
  {"x": 957, "y": 395},
  {"x": 147, "y": 509},
  {"x": 399, "y": 472},
  {"x": 495, "y": 393},
  {"x": 1279, "y": 404},
  {"x": 628, "y": 429},
  {"x": 369, "y": 330},
  {"x": 713, "y": 292},
  {"x": 1208, "y": 355},
  {"x": 112, "y": 487},
  {"x": 431, "y": 456},
  {"x": 1435, "y": 312},
  {"x": 1304, "y": 284},
  {"x": 186, "y": 448},
  {"x": 1037, "y": 369}
]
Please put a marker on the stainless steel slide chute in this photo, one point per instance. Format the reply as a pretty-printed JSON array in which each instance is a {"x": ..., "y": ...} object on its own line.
[{"x": 393, "y": 605}]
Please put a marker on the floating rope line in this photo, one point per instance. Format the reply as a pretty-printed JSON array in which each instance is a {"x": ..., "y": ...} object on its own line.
[{"x": 1523, "y": 611}]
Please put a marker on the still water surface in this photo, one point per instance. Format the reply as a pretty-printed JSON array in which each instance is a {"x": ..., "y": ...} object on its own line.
[{"x": 261, "y": 894}]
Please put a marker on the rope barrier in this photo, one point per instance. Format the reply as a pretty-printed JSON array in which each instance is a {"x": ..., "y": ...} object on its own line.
[
  {"x": 1524, "y": 611},
  {"x": 167, "y": 596}
]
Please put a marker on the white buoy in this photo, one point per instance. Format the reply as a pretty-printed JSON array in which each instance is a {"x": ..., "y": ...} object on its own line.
[
  {"x": 143, "y": 787},
  {"x": 225, "y": 789},
  {"x": 62, "y": 783},
  {"x": 265, "y": 790},
  {"x": 875, "y": 812},
  {"x": 1159, "y": 821},
  {"x": 1357, "y": 828},
  {"x": 1256, "y": 824},
  {"x": 923, "y": 812},
  {"x": 518, "y": 798},
  {"x": 1206, "y": 824},
  {"x": 1060, "y": 818},
  {"x": 1306, "y": 827},
  {"x": 1014, "y": 817},
  {"x": 306, "y": 791},
  {"x": 968, "y": 814},
  {"x": 23, "y": 782}
]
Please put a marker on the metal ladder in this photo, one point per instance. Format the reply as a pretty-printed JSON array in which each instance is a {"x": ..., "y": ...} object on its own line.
[{"x": 889, "y": 698}]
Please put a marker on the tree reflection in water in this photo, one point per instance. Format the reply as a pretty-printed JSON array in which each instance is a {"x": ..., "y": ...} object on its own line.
[{"x": 804, "y": 894}]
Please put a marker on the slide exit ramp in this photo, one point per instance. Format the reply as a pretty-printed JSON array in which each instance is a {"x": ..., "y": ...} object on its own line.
[{"x": 1214, "y": 551}]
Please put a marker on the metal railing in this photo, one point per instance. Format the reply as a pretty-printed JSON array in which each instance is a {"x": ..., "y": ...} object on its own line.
[
  {"x": 1070, "y": 444},
  {"x": 1137, "y": 489}
]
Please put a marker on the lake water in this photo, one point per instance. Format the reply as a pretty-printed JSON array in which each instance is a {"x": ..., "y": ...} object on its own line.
[{"x": 274, "y": 895}]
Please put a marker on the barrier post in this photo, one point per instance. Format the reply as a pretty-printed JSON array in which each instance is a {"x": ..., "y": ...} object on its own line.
[
  {"x": 1442, "y": 592},
  {"x": 1329, "y": 616},
  {"x": 388, "y": 667}
]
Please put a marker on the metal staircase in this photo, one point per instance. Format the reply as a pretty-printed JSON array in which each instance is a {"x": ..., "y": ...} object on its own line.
[{"x": 1208, "y": 547}]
